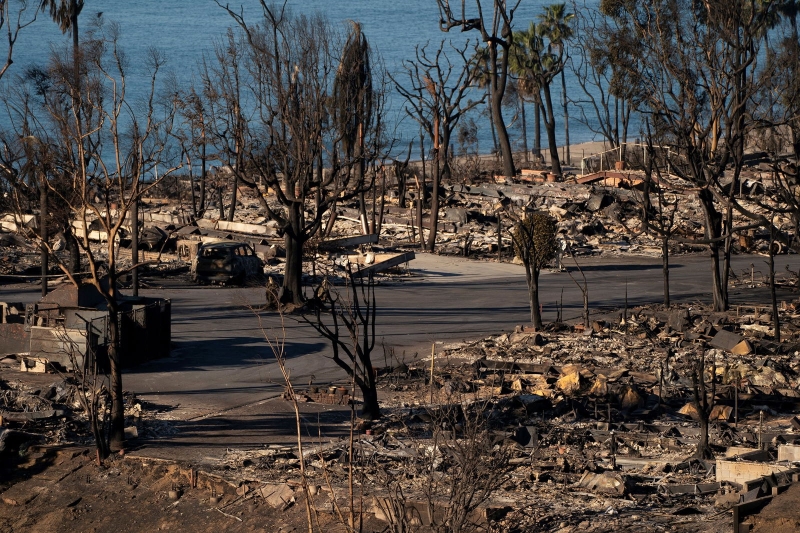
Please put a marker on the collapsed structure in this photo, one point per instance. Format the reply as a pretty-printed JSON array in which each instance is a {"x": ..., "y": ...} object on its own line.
[{"x": 68, "y": 328}]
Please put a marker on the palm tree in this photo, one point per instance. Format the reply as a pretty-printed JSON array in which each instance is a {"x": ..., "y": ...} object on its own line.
[
  {"x": 540, "y": 62},
  {"x": 480, "y": 65},
  {"x": 65, "y": 14},
  {"x": 556, "y": 24},
  {"x": 352, "y": 104},
  {"x": 527, "y": 87}
]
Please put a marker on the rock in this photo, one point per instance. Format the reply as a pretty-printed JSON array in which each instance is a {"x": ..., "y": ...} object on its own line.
[
  {"x": 456, "y": 214},
  {"x": 600, "y": 386},
  {"x": 767, "y": 377},
  {"x": 570, "y": 380},
  {"x": 280, "y": 496},
  {"x": 597, "y": 202},
  {"x": 608, "y": 482},
  {"x": 528, "y": 338},
  {"x": 630, "y": 398},
  {"x": 679, "y": 320},
  {"x": 726, "y": 501}
]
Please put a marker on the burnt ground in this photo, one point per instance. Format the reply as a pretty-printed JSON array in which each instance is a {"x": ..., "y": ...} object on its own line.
[
  {"x": 572, "y": 386},
  {"x": 62, "y": 489}
]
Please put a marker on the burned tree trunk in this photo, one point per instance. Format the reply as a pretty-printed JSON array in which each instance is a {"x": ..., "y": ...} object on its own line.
[
  {"x": 776, "y": 322},
  {"x": 703, "y": 396},
  {"x": 534, "y": 239},
  {"x": 533, "y": 297},
  {"x": 665, "y": 268},
  {"x": 292, "y": 291},
  {"x": 349, "y": 324},
  {"x": 713, "y": 224},
  {"x": 117, "y": 436},
  {"x": 434, "y": 220}
]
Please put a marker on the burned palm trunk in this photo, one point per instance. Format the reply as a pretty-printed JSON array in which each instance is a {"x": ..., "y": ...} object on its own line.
[
  {"x": 665, "y": 268},
  {"x": 776, "y": 322},
  {"x": 43, "y": 234},
  {"x": 234, "y": 191},
  {"x": 434, "y": 220},
  {"x": 533, "y": 296},
  {"x": 550, "y": 127}
]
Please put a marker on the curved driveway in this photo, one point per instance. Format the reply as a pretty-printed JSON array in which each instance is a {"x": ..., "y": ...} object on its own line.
[{"x": 220, "y": 359}]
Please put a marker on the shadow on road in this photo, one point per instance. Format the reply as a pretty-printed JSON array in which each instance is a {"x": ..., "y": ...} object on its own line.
[
  {"x": 618, "y": 268},
  {"x": 209, "y": 354},
  {"x": 273, "y": 422}
]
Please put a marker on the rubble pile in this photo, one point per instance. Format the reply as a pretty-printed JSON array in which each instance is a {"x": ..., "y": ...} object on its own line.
[
  {"x": 596, "y": 214},
  {"x": 599, "y": 427},
  {"x": 38, "y": 409},
  {"x": 35, "y": 412},
  {"x": 593, "y": 218}
]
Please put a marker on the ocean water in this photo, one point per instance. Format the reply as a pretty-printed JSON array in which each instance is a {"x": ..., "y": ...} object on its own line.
[{"x": 184, "y": 30}]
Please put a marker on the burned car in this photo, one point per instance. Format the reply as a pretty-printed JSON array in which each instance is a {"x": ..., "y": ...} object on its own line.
[{"x": 225, "y": 262}]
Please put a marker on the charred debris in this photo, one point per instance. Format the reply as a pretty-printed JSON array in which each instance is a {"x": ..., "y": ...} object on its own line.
[{"x": 569, "y": 428}]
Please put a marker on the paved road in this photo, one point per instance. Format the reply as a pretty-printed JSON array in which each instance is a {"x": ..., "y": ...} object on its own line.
[{"x": 220, "y": 361}]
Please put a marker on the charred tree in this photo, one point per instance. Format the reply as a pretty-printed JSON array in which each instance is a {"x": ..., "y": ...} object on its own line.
[
  {"x": 347, "y": 319},
  {"x": 302, "y": 154},
  {"x": 100, "y": 150},
  {"x": 704, "y": 390},
  {"x": 496, "y": 33},
  {"x": 534, "y": 238},
  {"x": 436, "y": 94}
]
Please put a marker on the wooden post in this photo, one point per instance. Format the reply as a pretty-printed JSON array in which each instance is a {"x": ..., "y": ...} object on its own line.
[
  {"x": 736, "y": 402},
  {"x": 433, "y": 358},
  {"x": 135, "y": 245},
  {"x": 419, "y": 222},
  {"x": 499, "y": 237}
]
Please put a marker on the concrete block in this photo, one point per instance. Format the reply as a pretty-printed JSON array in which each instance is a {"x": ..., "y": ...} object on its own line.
[
  {"x": 733, "y": 451},
  {"x": 33, "y": 364},
  {"x": 241, "y": 227},
  {"x": 789, "y": 452},
  {"x": 740, "y": 472},
  {"x": 279, "y": 496}
]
